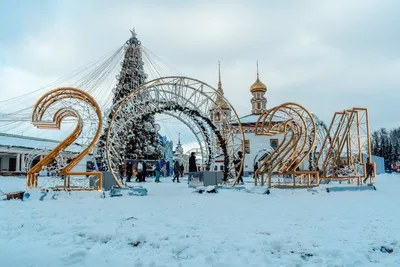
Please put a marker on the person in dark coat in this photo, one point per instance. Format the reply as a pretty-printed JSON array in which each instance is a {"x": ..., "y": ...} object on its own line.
[
  {"x": 128, "y": 171},
  {"x": 177, "y": 170},
  {"x": 168, "y": 167},
  {"x": 144, "y": 171},
  {"x": 182, "y": 169},
  {"x": 192, "y": 163},
  {"x": 255, "y": 169},
  {"x": 370, "y": 170},
  {"x": 237, "y": 162}
]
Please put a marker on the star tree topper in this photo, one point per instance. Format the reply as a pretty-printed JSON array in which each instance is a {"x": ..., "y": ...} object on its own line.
[{"x": 133, "y": 32}]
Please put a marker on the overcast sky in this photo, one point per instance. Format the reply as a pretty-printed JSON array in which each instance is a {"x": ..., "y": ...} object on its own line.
[{"x": 325, "y": 55}]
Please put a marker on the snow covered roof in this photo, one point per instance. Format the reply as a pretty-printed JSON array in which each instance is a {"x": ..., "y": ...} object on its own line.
[
  {"x": 251, "y": 118},
  {"x": 13, "y": 140}
]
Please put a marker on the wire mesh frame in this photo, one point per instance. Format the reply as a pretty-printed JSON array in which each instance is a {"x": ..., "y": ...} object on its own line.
[
  {"x": 322, "y": 134},
  {"x": 49, "y": 112},
  {"x": 298, "y": 128},
  {"x": 174, "y": 91},
  {"x": 349, "y": 138},
  {"x": 37, "y": 152}
]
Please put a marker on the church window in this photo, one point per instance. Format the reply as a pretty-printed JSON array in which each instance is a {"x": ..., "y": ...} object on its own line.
[
  {"x": 258, "y": 105},
  {"x": 215, "y": 168},
  {"x": 247, "y": 146},
  {"x": 264, "y": 105},
  {"x": 217, "y": 117},
  {"x": 221, "y": 168},
  {"x": 273, "y": 143}
]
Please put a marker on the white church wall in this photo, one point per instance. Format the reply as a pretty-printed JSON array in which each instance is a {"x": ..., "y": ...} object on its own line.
[{"x": 257, "y": 143}]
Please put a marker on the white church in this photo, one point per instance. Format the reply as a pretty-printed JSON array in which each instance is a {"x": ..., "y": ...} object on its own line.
[{"x": 255, "y": 146}]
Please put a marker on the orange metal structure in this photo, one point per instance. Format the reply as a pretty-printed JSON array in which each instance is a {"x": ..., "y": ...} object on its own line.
[
  {"x": 341, "y": 154},
  {"x": 282, "y": 166},
  {"x": 47, "y": 108}
]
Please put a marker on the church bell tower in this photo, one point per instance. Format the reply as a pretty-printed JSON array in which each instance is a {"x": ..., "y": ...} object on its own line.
[{"x": 259, "y": 101}]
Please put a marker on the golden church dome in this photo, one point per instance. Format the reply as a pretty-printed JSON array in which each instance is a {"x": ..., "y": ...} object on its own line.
[{"x": 258, "y": 86}]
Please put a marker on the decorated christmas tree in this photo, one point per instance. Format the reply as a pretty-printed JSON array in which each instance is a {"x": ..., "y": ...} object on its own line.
[
  {"x": 132, "y": 73},
  {"x": 141, "y": 134}
]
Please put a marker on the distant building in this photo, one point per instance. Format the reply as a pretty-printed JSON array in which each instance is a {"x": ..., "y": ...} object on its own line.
[
  {"x": 17, "y": 150},
  {"x": 180, "y": 156}
]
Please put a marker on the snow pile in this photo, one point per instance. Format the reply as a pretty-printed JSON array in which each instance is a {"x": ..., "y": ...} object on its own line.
[{"x": 171, "y": 226}]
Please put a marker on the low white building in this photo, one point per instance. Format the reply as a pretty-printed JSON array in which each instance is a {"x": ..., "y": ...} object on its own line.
[{"x": 16, "y": 150}]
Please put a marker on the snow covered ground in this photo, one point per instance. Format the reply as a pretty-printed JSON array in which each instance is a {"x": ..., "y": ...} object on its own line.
[{"x": 173, "y": 226}]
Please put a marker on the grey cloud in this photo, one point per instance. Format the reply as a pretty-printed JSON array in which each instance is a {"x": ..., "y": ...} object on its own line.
[{"x": 326, "y": 55}]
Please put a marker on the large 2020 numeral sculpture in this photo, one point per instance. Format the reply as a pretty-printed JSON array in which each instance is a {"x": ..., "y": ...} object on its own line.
[
  {"x": 49, "y": 112},
  {"x": 336, "y": 153}
]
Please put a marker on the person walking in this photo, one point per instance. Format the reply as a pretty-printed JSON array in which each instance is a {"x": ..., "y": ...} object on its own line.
[
  {"x": 144, "y": 171},
  {"x": 182, "y": 169},
  {"x": 157, "y": 170},
  {"x": 239, "y": 172},
  {"x": 255, "y": 170},
  {"x": 370, "y": 170},
  {"x": 176, "y": 171}
]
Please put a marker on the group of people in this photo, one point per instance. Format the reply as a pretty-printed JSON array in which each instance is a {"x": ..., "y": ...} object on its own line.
[
  {"x": 179, "y": 169},
  {"x": 139, "y": 169}
]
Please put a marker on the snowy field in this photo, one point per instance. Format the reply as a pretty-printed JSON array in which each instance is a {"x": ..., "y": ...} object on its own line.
[{"x": 173, "y": 226}]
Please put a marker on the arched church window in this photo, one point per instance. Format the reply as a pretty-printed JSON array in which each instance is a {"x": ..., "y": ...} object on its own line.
[
  {"x": 258, "y": 105},
  {"x": 247, "y": 146},
  {"x": 273, "y": 143}
]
